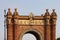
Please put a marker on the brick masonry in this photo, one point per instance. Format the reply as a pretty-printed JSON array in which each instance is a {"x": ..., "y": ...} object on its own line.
[{"x": 46, "y": 31}]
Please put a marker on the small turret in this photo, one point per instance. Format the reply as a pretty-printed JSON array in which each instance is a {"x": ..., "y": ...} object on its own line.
[
  {"x": 47, "y": 13},
  {"x": 9, "y": 12},
  {"x": 47, "y": 17},
  {"x": 53, "y": 14},
  {"x": 53, "y": 24},
  {"x": 9, "y": 16},
  {"x": 53, "y": 17},
  {"x": 9, "y": 25},
  {"x": 15, "y": 14}
]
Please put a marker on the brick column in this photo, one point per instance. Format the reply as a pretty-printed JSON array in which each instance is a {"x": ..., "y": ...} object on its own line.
[
  {"x": 15, "y": 32},
  {"x": 15, "y": 26},
  {"x": 53, "y": 32},
  {"x": 53, "y": 29},
  {"x": 47, "y": 32},
  {"x": 9, "y": 32}
]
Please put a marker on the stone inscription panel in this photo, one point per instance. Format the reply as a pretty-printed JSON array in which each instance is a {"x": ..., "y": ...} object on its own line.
[{"x": 30, "y": 22}]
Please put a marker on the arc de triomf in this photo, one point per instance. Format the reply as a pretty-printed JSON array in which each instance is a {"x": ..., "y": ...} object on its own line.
[{"x": 42, "y": 27}]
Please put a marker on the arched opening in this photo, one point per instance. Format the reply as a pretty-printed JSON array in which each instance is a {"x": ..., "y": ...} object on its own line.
[
  {"x": 28, "y": 36},
  {"x": 33, "y": 34}
]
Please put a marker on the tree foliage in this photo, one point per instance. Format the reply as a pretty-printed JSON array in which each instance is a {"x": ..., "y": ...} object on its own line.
[{"x": 58, "y": 38}]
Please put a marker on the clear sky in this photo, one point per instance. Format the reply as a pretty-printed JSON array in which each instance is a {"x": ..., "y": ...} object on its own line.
[{"x": 26, "y": 6}]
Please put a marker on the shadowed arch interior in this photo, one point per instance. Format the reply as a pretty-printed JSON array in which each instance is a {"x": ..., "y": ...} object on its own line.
[{"x": 35, "y": 34}]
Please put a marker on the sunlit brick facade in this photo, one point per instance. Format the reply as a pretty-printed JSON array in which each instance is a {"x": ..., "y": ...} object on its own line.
[{"x": 43, "y": 27}]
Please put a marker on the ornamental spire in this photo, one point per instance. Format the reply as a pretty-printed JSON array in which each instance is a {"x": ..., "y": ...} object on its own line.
[
  {"x": 47, "y": 13},
  {"x": 15, "y": 12},
  {"x": 53, "y": 13},
  {"x": 9, "y": 12}
]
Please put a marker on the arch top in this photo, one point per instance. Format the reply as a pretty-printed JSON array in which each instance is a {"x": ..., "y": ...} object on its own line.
[{"x": 34, "y": 32}]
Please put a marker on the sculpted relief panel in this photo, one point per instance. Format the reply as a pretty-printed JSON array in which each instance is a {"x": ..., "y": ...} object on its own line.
[{"x": 30, "y": 22}]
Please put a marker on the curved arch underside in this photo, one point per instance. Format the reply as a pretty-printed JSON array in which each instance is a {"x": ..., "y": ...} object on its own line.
[{"x": 35, "y": 34}]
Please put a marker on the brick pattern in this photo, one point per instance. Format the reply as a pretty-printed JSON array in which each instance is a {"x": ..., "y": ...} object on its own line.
[
  {"x": 20, "y": 29},
  {"x": 10, "y": 32},
  {"x": 46, "y": 32},
  {"x": 53, "y": 32}
]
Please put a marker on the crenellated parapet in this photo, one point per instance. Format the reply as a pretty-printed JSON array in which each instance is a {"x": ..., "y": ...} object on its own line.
[{"x": 47, "y": 17}]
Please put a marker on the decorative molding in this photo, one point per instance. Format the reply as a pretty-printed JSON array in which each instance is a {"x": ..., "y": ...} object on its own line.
[{"x": 30, "y": 22}]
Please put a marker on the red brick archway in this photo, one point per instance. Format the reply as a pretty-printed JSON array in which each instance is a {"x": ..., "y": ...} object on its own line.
[
  {"x": 36, "y": 33},
  {"x": 44, "y": 25}
]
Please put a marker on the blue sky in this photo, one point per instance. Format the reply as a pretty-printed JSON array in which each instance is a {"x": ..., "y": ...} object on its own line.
[{"x": 26, "y": 6}]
